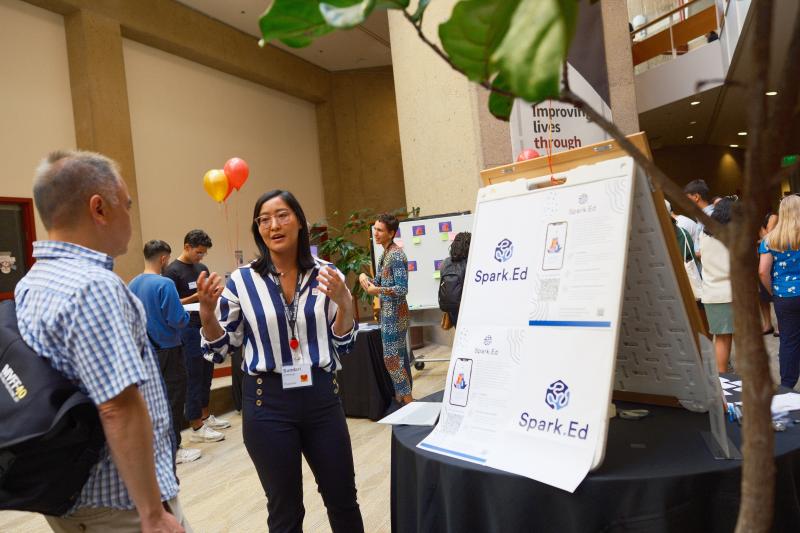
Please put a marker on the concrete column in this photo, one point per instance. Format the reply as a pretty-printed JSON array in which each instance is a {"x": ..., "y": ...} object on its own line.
[
  {"x": 100, "y": 108},
  {"x": 446, "y": 135},
  {"x": 619, "y": 61}
]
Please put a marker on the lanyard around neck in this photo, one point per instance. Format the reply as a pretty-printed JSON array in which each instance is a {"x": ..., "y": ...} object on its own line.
[{"x": 291, "y": 309}]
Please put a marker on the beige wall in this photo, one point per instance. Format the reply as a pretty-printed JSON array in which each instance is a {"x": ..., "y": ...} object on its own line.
[
  {"x": 368, "y": 141},
  {"x": 186, "y": 119},
  {"x": 721, "y": 167},
  {"x": 439, "y": 121},
  {"x": 35, "y": 101}
]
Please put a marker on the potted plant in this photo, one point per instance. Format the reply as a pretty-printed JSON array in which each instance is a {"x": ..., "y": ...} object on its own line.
[{"x": 348, "y": 247}]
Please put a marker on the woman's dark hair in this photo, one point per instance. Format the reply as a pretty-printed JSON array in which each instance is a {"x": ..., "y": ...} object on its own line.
[
  {"x": 392, "y": 224},
  {"x": 263, "y": 264},
  {"x": 459, "y": 250},
  {"x": 722, "y": 211}
]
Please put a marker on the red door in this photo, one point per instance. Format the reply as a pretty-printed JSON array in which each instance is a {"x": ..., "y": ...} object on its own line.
[{"x": 17, "y": 233}]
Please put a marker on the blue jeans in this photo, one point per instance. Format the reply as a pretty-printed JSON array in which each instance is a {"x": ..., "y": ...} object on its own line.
[
  {"x": 788, "y": 312},
  {"x": 199, "y": 373},
  {"x": 279, "y": 427}
]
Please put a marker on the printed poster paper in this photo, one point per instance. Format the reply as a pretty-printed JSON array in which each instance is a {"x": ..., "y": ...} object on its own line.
[{"x": 529, "y": 384}]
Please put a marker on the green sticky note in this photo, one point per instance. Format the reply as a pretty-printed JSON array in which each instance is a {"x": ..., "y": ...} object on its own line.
[
  {"x": 417, "y": 240},
  {"x": 445, "y": 236},
  {"x": 437, "y": 275}
]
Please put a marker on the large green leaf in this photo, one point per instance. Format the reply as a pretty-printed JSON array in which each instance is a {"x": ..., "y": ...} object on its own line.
[
  {"x": 343, "y": 18},
  {"x": 297, "y": 23},
  {"x": 535, "y": 47},
  {"x": 500, "y": 105},
  {"x": 473, "y": 32}
]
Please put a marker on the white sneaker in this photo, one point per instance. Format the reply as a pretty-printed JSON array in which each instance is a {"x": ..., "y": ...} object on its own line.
[
  {"x": 205, "y": 434},
  {"x": 216, "y": 423},
  {"x": 187, "y": 455}
]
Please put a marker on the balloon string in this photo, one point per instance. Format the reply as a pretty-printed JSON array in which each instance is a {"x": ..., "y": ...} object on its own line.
[
  {"x": 228, "y": 232},
  {"x": 236, "y": 221}
]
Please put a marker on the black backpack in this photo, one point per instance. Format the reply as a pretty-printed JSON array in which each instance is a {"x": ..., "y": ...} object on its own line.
[
  {"x": 451, "y": 284},
  {"x": 50, "y": 432}
]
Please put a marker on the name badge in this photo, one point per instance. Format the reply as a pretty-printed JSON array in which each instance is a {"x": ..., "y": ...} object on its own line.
[{"x": 295, "y": 376}]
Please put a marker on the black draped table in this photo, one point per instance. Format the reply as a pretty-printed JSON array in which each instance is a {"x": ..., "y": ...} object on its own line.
[
  {"x": 364, "y": 384},
  {"x": 658, "y": 476}
]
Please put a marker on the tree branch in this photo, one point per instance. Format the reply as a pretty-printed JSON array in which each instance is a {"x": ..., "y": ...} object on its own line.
[{"x": 670, "y": 188}]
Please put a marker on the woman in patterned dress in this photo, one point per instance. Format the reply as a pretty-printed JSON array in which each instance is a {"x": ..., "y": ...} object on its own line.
[{"x": 391, "y": 285}]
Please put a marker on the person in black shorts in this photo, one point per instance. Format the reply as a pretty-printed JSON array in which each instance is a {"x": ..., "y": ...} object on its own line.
[{"x": 199, "y": 372}]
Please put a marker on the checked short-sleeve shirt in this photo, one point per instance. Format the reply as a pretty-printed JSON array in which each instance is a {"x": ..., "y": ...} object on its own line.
[{"x": 73, "y": 310}]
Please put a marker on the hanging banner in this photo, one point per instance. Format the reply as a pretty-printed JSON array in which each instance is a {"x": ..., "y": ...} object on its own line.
[{"x": 558, "y": 126}]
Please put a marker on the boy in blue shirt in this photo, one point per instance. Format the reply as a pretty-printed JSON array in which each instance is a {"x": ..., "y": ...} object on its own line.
[{"x": 165, "y": 318}]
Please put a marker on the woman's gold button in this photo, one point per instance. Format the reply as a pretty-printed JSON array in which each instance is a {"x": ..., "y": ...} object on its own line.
[
  {"x": 259, "y": 392},
  {"x": 259, "y": 381},
  {"x": 258, "y": 403}
]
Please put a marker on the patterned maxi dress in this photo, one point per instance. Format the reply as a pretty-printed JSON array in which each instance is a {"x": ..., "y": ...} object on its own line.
[{"x": 392, "y": 279}]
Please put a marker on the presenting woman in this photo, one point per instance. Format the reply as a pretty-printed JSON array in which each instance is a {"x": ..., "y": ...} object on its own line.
[
  {"x": 779, "y": 271},
  {"x": 391, "y": 285},
  {"x": 294, "y": 314}
]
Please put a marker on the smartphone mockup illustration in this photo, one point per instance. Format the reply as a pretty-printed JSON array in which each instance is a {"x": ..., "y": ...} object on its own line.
[
  {"x": 554, "y": 244},
  {"x": 460, "y": 384}
]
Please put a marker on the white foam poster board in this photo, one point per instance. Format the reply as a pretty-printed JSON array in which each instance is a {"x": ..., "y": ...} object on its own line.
[
  {"x": 531, "y": 374},
  {"x": 426, "y": 243}
]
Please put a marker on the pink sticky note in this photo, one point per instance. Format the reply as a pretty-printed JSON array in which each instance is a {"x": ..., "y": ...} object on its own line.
[{"x": 452, "y": 235}]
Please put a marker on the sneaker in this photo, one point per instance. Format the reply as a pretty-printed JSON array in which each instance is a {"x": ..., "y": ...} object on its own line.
[
  {"x": 205, "y": 434},
  {"x": 216, "y": 423},
  {"x": 187, "y": 455}
]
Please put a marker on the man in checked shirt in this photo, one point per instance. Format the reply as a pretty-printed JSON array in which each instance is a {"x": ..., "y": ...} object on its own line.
[{"x": 73, "y": 310}]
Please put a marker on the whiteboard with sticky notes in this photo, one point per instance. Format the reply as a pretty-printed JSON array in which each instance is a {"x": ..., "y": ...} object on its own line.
[{"x": 426, "y": 243}]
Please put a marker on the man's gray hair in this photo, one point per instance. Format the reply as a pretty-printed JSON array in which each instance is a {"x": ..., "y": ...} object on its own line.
[{"x": 66, "y": 179}]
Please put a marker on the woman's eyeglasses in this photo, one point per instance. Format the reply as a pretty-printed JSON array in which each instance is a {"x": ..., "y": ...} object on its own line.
[{"x": 282, "y": 218}]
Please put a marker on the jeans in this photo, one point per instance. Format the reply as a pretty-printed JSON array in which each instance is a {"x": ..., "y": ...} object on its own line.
[
  {"x": 788, "y": 312},
  {"x": 199, "y": 373},
  {"x": 173, "y": 370},
  {"x": 279, "y": 427}
]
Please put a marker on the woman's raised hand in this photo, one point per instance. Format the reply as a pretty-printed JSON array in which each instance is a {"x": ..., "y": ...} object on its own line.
[
  {"x": 209, "y": 289},
  {"x": 334, "y": 287}
]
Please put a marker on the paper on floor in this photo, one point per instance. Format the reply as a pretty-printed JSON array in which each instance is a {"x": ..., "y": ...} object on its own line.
[{"x": 414, "y": 414}]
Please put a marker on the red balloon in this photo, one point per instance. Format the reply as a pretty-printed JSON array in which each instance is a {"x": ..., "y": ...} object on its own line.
[
  {"x": 237, "y": 171},
  {"x": 527, "y": 153}
]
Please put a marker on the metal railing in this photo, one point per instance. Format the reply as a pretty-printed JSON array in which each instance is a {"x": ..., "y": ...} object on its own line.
[{"x": 675, "y": 30}]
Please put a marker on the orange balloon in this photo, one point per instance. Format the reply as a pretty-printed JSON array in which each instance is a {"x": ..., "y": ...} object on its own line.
[{"x": 216, "y": 185}]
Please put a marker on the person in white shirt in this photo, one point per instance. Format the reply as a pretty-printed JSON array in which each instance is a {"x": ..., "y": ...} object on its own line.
[
  {"x": 717, "y": 296},
  {"x": 698, "y": 192}
]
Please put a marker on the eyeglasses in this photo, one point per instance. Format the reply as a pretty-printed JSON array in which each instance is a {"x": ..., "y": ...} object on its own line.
[{"x": 282, "y": 217}]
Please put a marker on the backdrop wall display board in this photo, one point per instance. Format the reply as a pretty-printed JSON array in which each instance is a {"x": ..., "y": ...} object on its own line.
[
  {"x": 426, "y": 243},
  {"x": 529, "y": 384}
]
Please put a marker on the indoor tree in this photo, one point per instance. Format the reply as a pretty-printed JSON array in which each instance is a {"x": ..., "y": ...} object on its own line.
[{"x": 518, "y": 48}]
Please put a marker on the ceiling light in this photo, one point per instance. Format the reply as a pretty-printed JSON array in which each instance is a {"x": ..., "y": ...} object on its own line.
[
  {"x": 695, "y": 102},
  {"x": 742, "y": 133},
  {"x": 690, "y": 136},
  {"x": 734, "y": 146},
  {"x": 692, "y": 123},
  {"x": 771, "y": 93}
]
